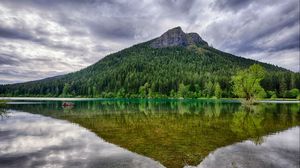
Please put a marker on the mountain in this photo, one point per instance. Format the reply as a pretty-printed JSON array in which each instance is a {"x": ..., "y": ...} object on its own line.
[
  {"x": 176, "y": 64},
  {"x": 176, "y": 37}
]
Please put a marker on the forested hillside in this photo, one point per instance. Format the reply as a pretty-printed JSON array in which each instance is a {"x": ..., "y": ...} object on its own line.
[{"x": 188, "y": 69}]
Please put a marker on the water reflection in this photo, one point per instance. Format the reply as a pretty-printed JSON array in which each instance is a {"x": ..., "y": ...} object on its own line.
[
  {"x": 28, "y": 140},
  {"x": 174, "y": 133},
  {"x": 248, "y": 122},
  {"x": 3, "y": 112},
  {"x": 280, "y": 150}
]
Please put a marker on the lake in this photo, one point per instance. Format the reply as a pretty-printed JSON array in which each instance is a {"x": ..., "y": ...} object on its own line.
[{"x": 149, "y": 133}]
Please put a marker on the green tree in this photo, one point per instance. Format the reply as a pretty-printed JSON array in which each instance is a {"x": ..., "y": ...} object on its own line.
[
  {"x": 173, "y": 93},
  {"x": 271, "y": 94},
  {"x": 143, "y": 90},
  {"x": 66, "y": 90},
  {"x": 183, "y": 90},
  {"x": 95, "y": 91},
  {"x": 209, "y": 89},
  {"x": 123, "y": 73},
  {"x": 90, "y": 93},
  {"x": 282, "y": 87},
  {"x": 121, "y": 93},
  {"x": 198, "y": 90},
  {"x": 293, "y": 93},
  {"x": 218, "y": 90},
  {"x": 246, "y": 83},
  {"x": 56, "y": 91}
]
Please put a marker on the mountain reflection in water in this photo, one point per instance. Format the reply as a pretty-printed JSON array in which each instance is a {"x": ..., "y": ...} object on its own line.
[
  {"x": 281, "y": 150},
  {"x": 30, "y": 140},
  {"x": 175, "y": 133}
]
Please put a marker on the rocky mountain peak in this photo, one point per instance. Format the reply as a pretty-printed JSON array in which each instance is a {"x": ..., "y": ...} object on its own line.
[
  {"x": 176, "y": 37},
  {"x": 194, "y": 38}
]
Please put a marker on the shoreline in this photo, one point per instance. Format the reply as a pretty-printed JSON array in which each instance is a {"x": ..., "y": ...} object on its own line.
[{"x": 232, "y": 100}]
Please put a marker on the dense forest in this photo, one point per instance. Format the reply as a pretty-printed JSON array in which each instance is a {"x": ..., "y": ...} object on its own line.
[{"x": 142, "y": 71}]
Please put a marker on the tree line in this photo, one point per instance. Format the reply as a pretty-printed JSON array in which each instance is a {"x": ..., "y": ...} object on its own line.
[{"x": 143, "y": 72}]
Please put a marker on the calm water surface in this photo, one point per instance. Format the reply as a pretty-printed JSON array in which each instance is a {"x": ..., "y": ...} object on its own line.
[
  {"x": 30, "y": 140},
  {"x": 206, "y": 133},
  {"x": 278, "y": 150}
]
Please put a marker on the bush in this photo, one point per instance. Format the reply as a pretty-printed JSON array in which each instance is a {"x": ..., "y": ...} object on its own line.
[
  {"x": 293, "y": 93},
  {"x": 274, "y": 96},
  {"x": 271, "y": 94}
]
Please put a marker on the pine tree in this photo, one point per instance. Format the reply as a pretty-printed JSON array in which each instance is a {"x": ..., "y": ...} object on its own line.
[{"x": 218, "y": 90}]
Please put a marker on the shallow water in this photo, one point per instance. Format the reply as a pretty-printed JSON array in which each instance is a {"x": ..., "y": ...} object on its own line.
[{"x": 175, "y": 133}]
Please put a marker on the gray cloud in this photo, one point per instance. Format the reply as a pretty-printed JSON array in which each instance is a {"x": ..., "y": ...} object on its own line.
[
  {"x": 6, "y": 59},
  {"x": 14, "y": 34},
  {"x": 68, "y": 35},
  {"x": 36, "y": 35},
  {"x": 261, "y": 28},
  {"x": 117, "y": 28},
  {"x": 177, "y": 6},
  {"x": 234, "y": 5}
]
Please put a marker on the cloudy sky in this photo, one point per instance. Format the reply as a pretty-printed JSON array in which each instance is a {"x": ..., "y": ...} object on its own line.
[{"x": 41, "y": 38}]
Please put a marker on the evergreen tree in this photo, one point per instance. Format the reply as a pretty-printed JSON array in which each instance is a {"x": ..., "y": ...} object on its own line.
[
  {"x": 282, "y": 87},
  {"x": 66, "y": 90},
  {"x": 218, "y": 90},
  {"x": 142, "y": 71}
]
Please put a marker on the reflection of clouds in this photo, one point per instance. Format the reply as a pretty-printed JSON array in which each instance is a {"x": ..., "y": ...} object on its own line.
[
  {"x": 280, "y": 150},
  {"x": 28, "y": 140}
]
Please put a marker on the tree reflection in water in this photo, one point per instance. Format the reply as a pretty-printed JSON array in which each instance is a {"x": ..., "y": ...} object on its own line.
[
  {"x": 248, "y": 122},
  {"x": 3, "y": 111},
  {"x": 175, "y": 133}
]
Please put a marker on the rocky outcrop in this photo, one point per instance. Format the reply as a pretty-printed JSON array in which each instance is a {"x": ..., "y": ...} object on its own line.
[
  {"x": 176, "y": 37},
  {"x": 194, "y": 38}
]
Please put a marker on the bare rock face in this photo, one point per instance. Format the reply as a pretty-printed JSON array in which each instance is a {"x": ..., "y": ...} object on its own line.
[
  {"x": 176, "y": 37},
  {"x": 194, "y": 38},
  {"x": 173, "y": 37}
]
